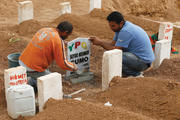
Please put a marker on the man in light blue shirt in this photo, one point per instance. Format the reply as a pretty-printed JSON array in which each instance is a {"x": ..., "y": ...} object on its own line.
[{"x": 132, "y": 40}]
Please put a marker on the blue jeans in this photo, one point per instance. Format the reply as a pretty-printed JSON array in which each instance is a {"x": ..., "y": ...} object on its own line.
[
  {"x": 132, "y": 65},
  {"x": 34, "y": 75}
]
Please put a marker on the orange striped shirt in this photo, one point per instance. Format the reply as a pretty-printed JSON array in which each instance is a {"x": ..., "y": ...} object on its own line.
[{"x": 45, "y": 47}]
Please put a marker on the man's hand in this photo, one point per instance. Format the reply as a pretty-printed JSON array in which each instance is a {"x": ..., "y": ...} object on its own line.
[
  {"x": 106, "y": 45},
  {"x": 95, "y": 41},
  {"x": 65, "y": 43},
  {"x": 75, "y": 67}
]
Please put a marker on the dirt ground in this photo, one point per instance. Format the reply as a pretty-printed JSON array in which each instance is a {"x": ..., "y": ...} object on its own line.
[
  {"x": 76, "y": 110},
  {"x": 154, "y": 97}
]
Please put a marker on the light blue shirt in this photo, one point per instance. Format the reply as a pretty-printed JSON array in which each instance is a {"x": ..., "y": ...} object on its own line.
[
  {"x": 135, "y": 40},
  {"x": 27, "y": 68}
]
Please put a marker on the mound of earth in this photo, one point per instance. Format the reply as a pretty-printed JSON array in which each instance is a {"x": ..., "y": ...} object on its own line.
[
  {"x": 169, "y": 69},
  {"x": 29, "y": 27},
  {"x": 159, "y": 99},
  {"x": 154, "y": 97},
  {"x": 81, "y": 110},
  {"x": 8, "y": 8},
  {"x": 158, "y": 8}
]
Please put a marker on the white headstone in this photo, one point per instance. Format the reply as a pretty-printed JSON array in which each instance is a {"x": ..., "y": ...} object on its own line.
[
  {"x": 15, "y": 76},
  {"x": 111, "y": 66},
  {"x": 65, "y": 8},
  {"x": 165, "y": 31},
  {"x": 25, "y": 11},
  {"x": 95, "y": 4},
  {"x": 79, "y": 53},
  {"x": 49, "y": 86},
  {"x": 162, "y": 51}
]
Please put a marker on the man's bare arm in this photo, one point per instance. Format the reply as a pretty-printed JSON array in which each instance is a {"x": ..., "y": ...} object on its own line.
[
  {"x": 109, "y": 46},
  {"x": 104, "y": 44}
]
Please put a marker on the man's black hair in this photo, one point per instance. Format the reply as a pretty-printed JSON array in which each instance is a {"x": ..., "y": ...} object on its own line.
[
  {"x": 115, "y": 17},
  {"x": 65, "y": 26}
]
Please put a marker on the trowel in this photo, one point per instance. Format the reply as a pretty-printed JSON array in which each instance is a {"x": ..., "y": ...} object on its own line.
[
  {"x": 79, "y": 72},
  {"x": 74, "y": 93}
]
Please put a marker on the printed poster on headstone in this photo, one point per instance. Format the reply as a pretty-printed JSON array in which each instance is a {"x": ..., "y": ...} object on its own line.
[
  {"x": 78, "y": 52},
  {"x": 169, "y": 32},
  {"x": 15, "y": 76},
  {"x": 165, "y": 31}
]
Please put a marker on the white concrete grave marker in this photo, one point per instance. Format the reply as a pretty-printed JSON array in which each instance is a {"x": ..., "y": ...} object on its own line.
[
  {"x": 15, "y": 76},
  {"x": 49, "y": 86},
  {"x": 162, "y": 51},
  {"x": 95, "y": 4},
  {"x": 111, "y": 66},
  {"x": 65, "y": 8},
  {"x": 25, "y": 11},
  {"x": 165, "y": 31}
]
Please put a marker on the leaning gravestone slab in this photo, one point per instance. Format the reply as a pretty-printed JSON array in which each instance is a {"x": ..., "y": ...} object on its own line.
[{"x": 78, "y": 52}]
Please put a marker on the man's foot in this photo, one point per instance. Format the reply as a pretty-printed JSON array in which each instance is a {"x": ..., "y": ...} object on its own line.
[{"x": 138, "y": 76}]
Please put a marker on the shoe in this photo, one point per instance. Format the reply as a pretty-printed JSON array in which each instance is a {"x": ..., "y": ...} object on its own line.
[
  {"x": 138, "y": 76},
  {"x": 141, "y": 75}
]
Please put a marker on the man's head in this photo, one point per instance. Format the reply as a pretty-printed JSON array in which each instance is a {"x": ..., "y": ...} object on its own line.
[
  {"x": 65, "y": 29},
  {"x": 116, "y": 21}
]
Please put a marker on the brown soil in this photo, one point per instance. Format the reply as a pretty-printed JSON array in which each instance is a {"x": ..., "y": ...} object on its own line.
[
  {"x": 10, "y": 10},
  {"x": 85, "y": 24},
  {"x": 155, "y": 97},
  {"x": 176, "y": 36},
  {"x": 178, "y": 4},
  {"x": 29, "y": 27},
  {"x": 158, "y": 99},
  {"x": 158, "y": 9},
  {"x": 76, "y": 110},
  {"x": 169, "y": 69}
]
